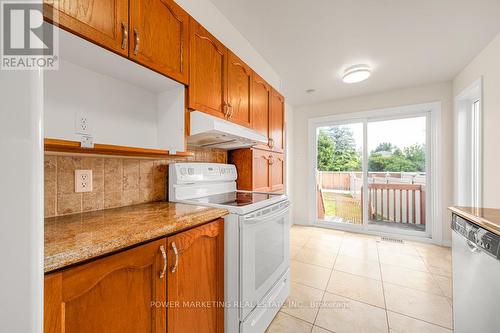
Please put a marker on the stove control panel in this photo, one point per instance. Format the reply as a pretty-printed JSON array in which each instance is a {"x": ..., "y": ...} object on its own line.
[{"x": 183, "y": 173}]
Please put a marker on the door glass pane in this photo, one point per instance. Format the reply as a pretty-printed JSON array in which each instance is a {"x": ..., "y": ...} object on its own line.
[
  {"x": 339, "y": 176},
  {"x": 397, "y": 173}
]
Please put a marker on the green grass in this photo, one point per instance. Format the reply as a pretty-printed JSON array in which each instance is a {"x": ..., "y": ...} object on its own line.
[{"x": 342, "y": 206}]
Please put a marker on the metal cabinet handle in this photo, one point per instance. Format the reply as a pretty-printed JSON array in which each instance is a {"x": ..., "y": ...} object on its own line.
[
  {"x": 164, "y": 255},
  {"x": 230, "y": 110},
  {"x": 137, "y": 41},
  {"x": 224, "y": 109},
  {"x": 174, "y": 269},
  {"x": 124, "y": 36},
  {"x": 271, "y": 159},
  {"x": 271, "y": 143}
]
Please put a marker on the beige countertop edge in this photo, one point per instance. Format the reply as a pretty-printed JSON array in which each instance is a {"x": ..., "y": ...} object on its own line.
[{"x": 72, "y": 257}]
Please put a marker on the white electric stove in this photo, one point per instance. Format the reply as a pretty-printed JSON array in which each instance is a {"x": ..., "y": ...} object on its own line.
[{"x": 257, "y": 236}]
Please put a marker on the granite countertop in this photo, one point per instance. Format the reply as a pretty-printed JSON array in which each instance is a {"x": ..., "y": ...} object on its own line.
[
  {"x": 76, "y": 238},
  {"x": 487, "y": 218}
]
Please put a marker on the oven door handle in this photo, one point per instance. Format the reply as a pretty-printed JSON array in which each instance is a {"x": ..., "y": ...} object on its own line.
[{"x": 267, "y": 217}]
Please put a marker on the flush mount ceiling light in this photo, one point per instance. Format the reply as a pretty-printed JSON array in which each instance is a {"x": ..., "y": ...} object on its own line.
[{"x": 356, "y": 73}]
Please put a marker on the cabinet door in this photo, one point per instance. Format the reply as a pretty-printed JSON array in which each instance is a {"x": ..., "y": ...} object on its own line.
[
  {"x": 124, "y": 292},
  {"x": 261, "y": 99},
  {"x": 239, "y": 91},
  {"x": 196, "y": 275},
  {"x": 207, "y": 72},
  {"x": 277, "y": 122},
  {"x": 277, "y": 172},
  {"x": 261, "y": 168},
  {"x": 104, "y": 22},
  {"x": 159, "y": 37}
]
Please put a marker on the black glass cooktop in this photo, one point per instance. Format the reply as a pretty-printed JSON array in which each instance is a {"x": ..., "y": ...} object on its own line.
[{"x": 237, "y": 199}]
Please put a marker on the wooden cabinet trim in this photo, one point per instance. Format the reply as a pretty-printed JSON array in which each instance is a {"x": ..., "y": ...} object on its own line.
[
  {"x": 181, "y": 285},
  {"x": 197, "y": 84},
  {"x": 60, "y": 17},
  {"x": 237, "y": 87},
  {"x": 148, "y": 55}
]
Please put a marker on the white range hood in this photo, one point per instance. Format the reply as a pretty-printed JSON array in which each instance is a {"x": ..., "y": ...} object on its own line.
[{"x": 212, "y": 132}]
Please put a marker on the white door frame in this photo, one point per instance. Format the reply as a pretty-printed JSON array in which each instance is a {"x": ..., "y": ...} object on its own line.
[
  {"x": 472, "y": 195},
  {"x": 434, "y": 230}
]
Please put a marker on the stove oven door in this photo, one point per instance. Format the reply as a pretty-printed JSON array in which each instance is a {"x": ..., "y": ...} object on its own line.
[{"x": 264, "y": 253}]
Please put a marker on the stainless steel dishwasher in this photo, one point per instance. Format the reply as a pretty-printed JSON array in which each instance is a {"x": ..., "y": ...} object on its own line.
[{"x": 476, "y": 278}]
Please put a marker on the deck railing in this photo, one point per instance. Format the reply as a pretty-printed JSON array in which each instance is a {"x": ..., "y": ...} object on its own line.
[
  {"x": 397, "y": 197},
  {"x": 403, "y": 203}
]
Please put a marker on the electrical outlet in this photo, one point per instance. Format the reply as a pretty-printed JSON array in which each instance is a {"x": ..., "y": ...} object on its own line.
[
  {"x": 83, "y": 181},
  {"x": 82, "y": 124}
]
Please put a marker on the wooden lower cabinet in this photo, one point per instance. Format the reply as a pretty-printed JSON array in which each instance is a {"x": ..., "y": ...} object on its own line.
[
  {"x": 196, "y": 280},
  {"x": 127, "y": 292},
  {"x": 118, "y": 293},
  {"x": 259, "y": 170}
]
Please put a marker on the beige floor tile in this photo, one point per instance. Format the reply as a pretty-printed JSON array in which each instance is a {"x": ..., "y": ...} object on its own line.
[
  {"x": 303, "y": 302},
  {"x": 298, "y": 239},
  {"x": 403, "y": 324},
  {"x": 284, "y": 323},
  {"x": 356, "y": 287},
  {"x": 361, "y": 252},
  {"x": 402, "y": 260},
  {"x": 343, "y": 315},
  {"x": 323, "y": 245},
  {"x": 417, "y": 304},
  {"x": 315, "y": 257},
  {"x": 317, "y": 329},
  {"x": 442, "y": 262},
  {"x": 410, "y": 278},
  {"x": 369, "y": 269},
  {"x": 310, "y": 275},
  {"x": 328, "y": 231},
  {"x": 294, "y": 250},
  {"x": 446, "y": 285},
  {"x": 404, "y": 248},
  {"x": 441, "y": 271}
]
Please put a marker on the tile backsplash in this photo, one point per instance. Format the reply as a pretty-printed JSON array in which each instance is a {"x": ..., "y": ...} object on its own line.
[{"x": 117, "y": 181}]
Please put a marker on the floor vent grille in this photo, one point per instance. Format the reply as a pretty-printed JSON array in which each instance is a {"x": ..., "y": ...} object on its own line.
[{"x": 392, "y": 240}]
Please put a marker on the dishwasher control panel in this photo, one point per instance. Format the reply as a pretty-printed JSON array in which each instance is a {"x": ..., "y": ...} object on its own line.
[{"x": 487, "y": 241}]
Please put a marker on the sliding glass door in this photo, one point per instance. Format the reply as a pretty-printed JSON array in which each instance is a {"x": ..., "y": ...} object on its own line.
[
  {"x": 339, "y": 173},
  {"x": 372, "y": 173}
]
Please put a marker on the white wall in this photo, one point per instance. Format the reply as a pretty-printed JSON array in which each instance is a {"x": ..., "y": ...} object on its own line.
[
  {"x": 218, "y": 25},
  {"x": 21, "y": 198},
  {"x": 441, "y": 92},
  {"x": 119, "y": 112},
  {"x": 487, "y": 66}
]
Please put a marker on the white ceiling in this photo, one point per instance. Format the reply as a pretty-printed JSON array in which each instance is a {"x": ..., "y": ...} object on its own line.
[{"x": 407, "y": 43}]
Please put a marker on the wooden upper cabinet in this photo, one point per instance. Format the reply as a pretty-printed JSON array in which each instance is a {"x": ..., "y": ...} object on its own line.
[
  {"x": 261, "y": 99},
  {"x": 277, "y": 122},
  {"x": 104, "y": 22},
  {"x": 239, "y": 91},
  {"x": 196, "y": 274},
  {"x": 207, "y": 72},
  {"x": 261, "y": 169},
  {"x": 277, "y": 173},
  {"x": 124, "y": 292},
  {"x": 159, "y": 37}
]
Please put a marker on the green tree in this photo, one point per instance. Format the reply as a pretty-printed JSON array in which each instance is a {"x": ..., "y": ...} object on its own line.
[
  {"x": 337, "y": 150},
  {"x": 325, "y": 152},
  {"x": 387, "y": 157}
]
